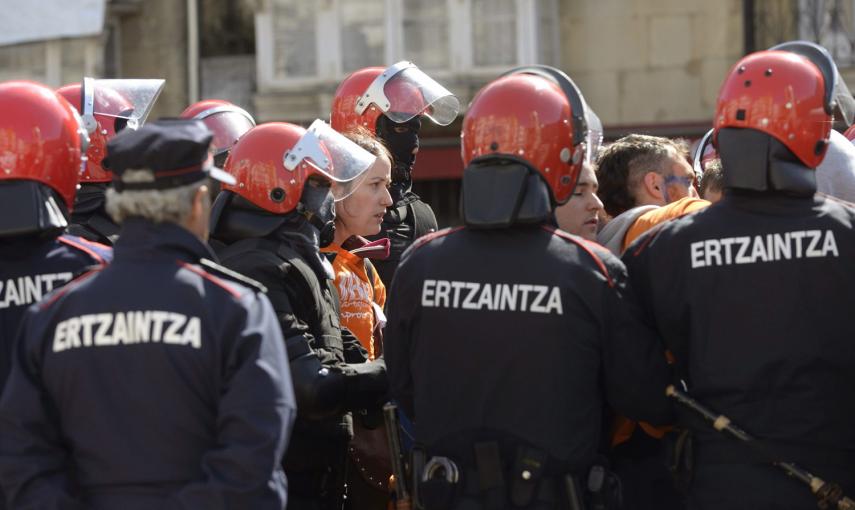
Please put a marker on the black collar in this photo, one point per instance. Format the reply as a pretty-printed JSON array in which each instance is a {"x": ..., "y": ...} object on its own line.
[{"x": 143, "y": 239}]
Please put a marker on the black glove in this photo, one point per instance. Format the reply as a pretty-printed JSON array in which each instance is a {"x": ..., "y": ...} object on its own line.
[{"x": 366, "y": 386}]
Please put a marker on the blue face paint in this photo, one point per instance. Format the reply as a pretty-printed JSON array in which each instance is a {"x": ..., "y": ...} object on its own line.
[{"x": 675, "y": 179}]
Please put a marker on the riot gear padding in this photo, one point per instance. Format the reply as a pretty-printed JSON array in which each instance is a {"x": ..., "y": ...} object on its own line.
[
  {"x": 234, "y": 218},
  {"x": 37, "y": 210},
  {"x": 499, "y": 192},
  {"x": 752, "y": 160}
]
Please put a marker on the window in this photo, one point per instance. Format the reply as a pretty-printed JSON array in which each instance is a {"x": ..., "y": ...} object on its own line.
[
  {"x": 295, "y": 50},
  {"x": 547, "y": 33},
  {"x": 494, "y": 33},
  {"x": 831, "y": 24},
  {"x": 363, "y": 38},
  {"x": 311, "y": 42},
  {"x": 425, "y": 32}
]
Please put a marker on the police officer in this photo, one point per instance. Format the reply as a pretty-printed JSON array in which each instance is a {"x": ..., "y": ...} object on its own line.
[
  {"x": 40, "y": 155},
  {"x": 107, "y": 107},
  {"x": 751, "y": 295},
  {"x": 507, "y": 337},
  {"x": 225, "y": 119},
  {"x": 161, "y": 380},
  {"x": 390, "y": 103},
  {"x": 272, "y": 223}
]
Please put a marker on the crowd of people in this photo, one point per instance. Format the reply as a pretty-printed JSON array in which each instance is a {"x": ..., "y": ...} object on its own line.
[{"x": 202, "y": 312}]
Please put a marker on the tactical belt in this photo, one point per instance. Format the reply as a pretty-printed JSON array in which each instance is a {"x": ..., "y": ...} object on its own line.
[
  {"x": 545, "y": 491},
  {"x": 765, "y": 452}
]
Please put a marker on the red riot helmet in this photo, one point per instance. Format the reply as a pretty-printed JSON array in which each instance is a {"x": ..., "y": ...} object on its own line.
[
  {"x": 790, "y": 93},
  {"x": 850, "y": 133},
  {"x": 42, "y": 138},
  {"x": 107, "y": 107},
  {"x": 400, "y": 91},
  {"x": 226, "y": 120},
  {"x": 536, "y": 114},
  {"x": 273, "y": 161}
]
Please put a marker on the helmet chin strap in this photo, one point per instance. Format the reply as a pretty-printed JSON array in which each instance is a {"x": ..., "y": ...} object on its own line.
[{"x": 317, "y": 205}]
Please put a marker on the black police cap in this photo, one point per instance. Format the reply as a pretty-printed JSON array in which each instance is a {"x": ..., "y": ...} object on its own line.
[{"x": 175, "y": 151}]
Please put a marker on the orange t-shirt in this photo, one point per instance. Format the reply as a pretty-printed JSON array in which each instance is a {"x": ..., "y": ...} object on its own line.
[{"x": 357, "y": 295}]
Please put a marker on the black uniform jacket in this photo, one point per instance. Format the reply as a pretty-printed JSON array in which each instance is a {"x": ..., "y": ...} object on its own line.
[
  {"x": 157, "y": 382},
  {"x": 753, "y": 296},
  {"x": 308, "y": 311},
  {"x": 526, "y": 330},
  {"x": 403, "y": 223},
  {"x": 30, "y": 269}
]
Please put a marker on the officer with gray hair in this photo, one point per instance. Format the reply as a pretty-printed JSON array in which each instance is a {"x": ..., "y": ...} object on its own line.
[{"x": 160, "y": 381}]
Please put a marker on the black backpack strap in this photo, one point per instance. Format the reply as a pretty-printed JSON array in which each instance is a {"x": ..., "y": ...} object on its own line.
[
  {"x": 424, "y": 220},
  {"x": 214, "y": 268}
]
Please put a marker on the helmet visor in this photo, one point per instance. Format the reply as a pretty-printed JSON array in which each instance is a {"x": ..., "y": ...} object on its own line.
[
  {"x": 702, "y": 152},
  {"x": 403, "y": 91},
  {"x": 131, "y": 99},
  {"x": 335, "y": 157},
  {"x": 838, "y": 98},
  {"x": 227, "y": 124},
  {"x": 593, "y": 136}
]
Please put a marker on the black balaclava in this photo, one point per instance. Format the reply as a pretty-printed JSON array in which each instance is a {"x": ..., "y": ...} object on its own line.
[{"x": 401, "y": 145}]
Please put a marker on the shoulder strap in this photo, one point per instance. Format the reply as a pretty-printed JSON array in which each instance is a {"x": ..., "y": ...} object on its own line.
[
  {"x": 424, "y": 220},
  {"x": 306, "y": 272},
  {"x": 224, "y": 272}
]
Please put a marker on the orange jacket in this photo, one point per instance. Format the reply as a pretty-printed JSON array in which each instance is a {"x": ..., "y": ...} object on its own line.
[
  {"x": 362, "y": 295},
  {"x": 662, "y": 214}
]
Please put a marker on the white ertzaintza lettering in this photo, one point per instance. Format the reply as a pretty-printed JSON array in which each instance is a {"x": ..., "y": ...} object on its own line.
[
  {"x": 26, "y": 290},
  {"x": 127, "y": 328},
  {"x": 800, "y": 244},
  {"x": 493, "y": 297}
]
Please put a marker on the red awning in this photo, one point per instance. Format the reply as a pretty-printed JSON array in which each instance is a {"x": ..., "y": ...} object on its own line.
[{"x": 435, "y": 163}]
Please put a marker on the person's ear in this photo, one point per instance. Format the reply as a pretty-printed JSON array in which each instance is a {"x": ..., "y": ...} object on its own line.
[{"x": 654, "y": 185}]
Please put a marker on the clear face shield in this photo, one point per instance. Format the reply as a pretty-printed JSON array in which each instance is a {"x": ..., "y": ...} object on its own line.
[
  {"x": 83, "y": 134},
  {"x": 403, "y": 91},
  {"x": 593, "y": 135},
  {"x": 128, "y": 101},
  {"x": 702, "y": 153},
  {"x": 333, "y": 156},
  {"x": 228, "y": 124},
  {"x": 838, "y": 98}
]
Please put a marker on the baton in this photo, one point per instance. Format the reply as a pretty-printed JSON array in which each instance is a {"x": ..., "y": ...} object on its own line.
[
  {"x": 828, "y": 494},
  {"x": 390, "y": 416}
]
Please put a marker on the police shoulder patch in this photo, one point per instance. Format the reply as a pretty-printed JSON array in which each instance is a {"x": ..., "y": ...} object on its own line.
[
  {"x": 589, "y": 247},
  {"x": 224, "y": 272},
  {"x": 423, "y": 240}
]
